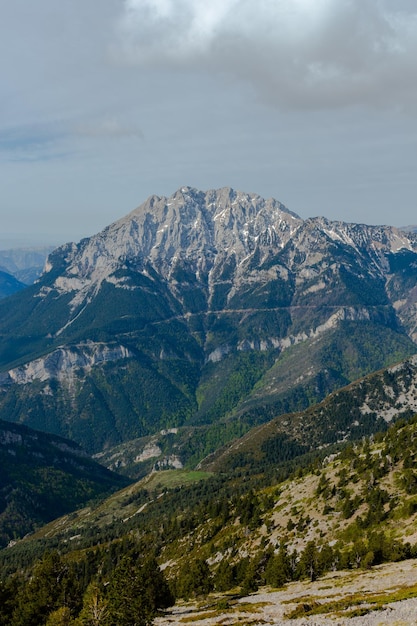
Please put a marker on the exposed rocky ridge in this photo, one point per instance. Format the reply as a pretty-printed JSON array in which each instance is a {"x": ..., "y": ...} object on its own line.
[
  {"x": 410, "y": 229},
  {"x": 225, "y": 241},
  {"x": 64, "y": 364},
  {"x": 14, "y": 436}
]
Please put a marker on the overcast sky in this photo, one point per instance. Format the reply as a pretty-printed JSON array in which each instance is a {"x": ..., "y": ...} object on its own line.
[{"x": 105, "y": 102}]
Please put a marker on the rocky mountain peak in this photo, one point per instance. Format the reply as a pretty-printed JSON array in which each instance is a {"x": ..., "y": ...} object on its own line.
[
  {"x": 220, "y": 236},
  {"x": 190, "y": 225}
]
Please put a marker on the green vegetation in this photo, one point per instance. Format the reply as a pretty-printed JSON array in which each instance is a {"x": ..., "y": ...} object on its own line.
[
  {"x": 198, "y": 362},
  {"x": 43, "y": 477},
  {"x": 66, "y": 592},
  {"x": 170, "y": 479},
  {"x": 200, "y": 527}
]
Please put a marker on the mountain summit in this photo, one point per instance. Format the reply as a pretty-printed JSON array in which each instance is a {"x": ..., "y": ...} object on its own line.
[
  {"x": 191, "y": 235},
  {"x": 203, "y": 307},
  {"x": 220, "y": 239}
]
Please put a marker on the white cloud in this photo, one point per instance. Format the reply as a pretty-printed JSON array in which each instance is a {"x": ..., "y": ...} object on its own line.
[{"x": 299, "y": 53}]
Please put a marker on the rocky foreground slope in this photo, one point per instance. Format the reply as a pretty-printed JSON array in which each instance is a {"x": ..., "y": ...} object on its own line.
[{"x": 354, "y": 598}]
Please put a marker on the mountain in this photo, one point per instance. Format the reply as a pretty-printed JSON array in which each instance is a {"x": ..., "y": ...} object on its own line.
[
  {"x": 364, "y": 407},
  {"x": 9, "y": 284},
  {"x": 410, "y": 229},
  {"x": 42, "y": 477},
  {"x": 25, "y": 264},
  {"x": 202, "y": 309}
]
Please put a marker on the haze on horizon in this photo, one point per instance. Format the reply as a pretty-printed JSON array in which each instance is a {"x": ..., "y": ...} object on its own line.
[{"x": 105, "y": 103}]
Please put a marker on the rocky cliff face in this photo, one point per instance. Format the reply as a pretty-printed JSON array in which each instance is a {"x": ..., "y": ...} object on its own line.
[
  {"x": 183, "y": 312},
  {"x": 65, "y": 364},
  {"x": 226, "y": 245}
]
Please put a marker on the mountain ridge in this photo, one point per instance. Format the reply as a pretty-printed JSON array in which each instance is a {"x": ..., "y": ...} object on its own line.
[
  {"x": 352, "y": 510},
  {"x": 26, "y": 264},
  {"x": 194, "y": 233},
  {"x": 9, "y": 284},
  {"x": 197, "y": 300}
]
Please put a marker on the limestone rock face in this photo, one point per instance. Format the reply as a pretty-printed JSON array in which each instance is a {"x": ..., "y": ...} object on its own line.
[{"x": 228, "y": 243}]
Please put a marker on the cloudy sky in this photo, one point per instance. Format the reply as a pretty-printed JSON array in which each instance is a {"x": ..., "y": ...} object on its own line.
[{"x": 105, "y": 102}]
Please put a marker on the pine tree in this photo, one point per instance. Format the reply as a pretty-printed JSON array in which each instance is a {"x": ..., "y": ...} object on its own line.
[
  {"x": 195, "y": 579},
  {"x": 60, "y": 617},
  {"x": 53, "y": 585},
  {"x": 94, "y": 611},
  {"x": 278, "y": 569},
  {"x": 309, "y": 562},
  {"x": 225, "y": 576},
  {"x": 136, "y": 591}
]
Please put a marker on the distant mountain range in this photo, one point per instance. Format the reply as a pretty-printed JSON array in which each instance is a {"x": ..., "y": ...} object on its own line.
[
  {"x": 20, "y": 267},
  {"x": 25, "y": 264},
  {"x": 211, "y": 311},
  {"x": 220, "y": 334}
]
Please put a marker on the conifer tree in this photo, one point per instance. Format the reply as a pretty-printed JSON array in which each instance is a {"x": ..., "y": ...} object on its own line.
[
  {"x": 95, "y": 610},
  {"x": 278, "y": 569},
  {"x": 309, "y": 562},
  {"x": 53, "y": 585},
  {"x": 136, "y": 591}
]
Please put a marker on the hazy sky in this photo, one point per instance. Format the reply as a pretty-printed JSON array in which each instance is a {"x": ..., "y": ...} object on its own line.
[{"x": 105, "y": 102}]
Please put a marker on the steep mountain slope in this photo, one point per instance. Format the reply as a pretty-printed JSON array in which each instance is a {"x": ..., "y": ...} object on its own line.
[
  {"x": 200, "y": 306},
  {"x": 9, "y": 284},
  {"x": 43, "y": 476},
  {"x": 366, "y": 406}
]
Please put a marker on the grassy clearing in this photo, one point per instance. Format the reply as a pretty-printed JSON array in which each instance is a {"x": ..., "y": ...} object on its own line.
[
  {"x": 224, "y": 608},
  {"x": 174, "y": 478},
  {"x": 350, "y": 606}
]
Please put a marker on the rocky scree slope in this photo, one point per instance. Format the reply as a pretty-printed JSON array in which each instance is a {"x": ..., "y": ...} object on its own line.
[{"x": 187, "y": 308}]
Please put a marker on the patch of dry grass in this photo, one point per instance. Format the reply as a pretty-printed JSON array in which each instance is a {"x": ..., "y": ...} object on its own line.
[{"x": 363, "y": 603}]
